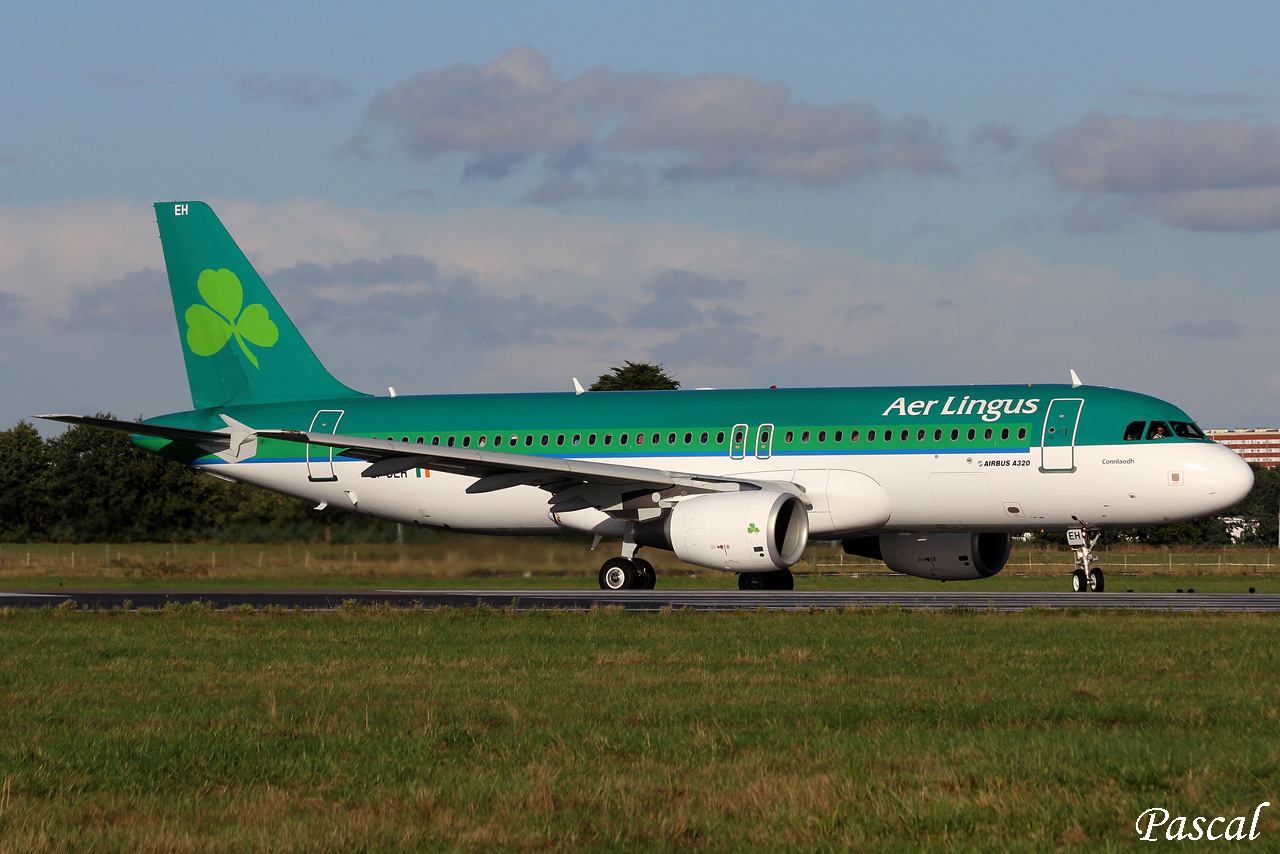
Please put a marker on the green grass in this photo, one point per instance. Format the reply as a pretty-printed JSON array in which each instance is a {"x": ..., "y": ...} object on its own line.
[
  {"x": 473, "y": 561},
  {"x": 371, "y": 729}
]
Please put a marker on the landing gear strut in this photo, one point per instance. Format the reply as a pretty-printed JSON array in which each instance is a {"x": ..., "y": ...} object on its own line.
[{"x": 1086, "y": 576}]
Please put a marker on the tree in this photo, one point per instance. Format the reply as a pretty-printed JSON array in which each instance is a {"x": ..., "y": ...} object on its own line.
[
  {"x": 633, "y": 376},
  {"x": 23, "y": 468},
  {"x": 103, "y": 489}
]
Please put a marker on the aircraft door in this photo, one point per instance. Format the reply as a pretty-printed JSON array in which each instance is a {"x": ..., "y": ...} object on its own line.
[
  {"x": 764, "y": 441},
  {"x": 1058, "y": 442},
  {"x": 738, "y": 442},
  {"x": 319, "y": 458}
]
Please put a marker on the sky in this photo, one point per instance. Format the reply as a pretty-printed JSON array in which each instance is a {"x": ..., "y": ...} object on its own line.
[{"x": 502, "y": 196}]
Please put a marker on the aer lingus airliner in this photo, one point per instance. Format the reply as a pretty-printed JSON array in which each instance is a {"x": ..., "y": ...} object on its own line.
[{"x": 931, "y": 480}]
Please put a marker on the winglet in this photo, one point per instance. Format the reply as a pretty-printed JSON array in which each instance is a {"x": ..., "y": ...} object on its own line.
[
  {"x": 577, "y": 386},
  {"x": 1075, "y": 380},
  {"x": 238, "y": 437}
]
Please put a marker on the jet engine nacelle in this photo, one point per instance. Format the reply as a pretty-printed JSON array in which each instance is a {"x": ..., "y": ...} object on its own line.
[
  {"x": 759, "y": 530},
  {"x": 946, "y": 557}
]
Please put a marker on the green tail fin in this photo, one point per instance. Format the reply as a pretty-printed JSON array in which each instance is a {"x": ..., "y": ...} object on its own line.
[{"x": 240, "y": 346}]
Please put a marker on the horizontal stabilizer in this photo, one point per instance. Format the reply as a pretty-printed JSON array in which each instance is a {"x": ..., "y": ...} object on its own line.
[{"x": 176, "y": 434}]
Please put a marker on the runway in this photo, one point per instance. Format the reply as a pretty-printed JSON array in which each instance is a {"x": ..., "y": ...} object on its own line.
[{"x": 648, "y": 600}]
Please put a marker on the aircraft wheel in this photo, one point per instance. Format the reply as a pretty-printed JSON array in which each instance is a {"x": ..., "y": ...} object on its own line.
[
  {"x": 646, "y": 575},
  {"x": 618, "y": 574},
  {"x": 1095, "y": 580},
  {"x": 781, "y": 579},
  {"x": 752, "y": 581},
  {"x": 1079, "y": 581}
]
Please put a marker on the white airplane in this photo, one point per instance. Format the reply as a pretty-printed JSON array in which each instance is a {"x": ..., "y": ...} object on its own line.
[{"x": 931, "y": 480}]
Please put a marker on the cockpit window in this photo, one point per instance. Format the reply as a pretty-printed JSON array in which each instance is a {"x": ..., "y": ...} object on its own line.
[
  {"x": 1158, "y": 430},
  {"x": 1187, "y": 430},
  {"x": 1133, "y": 432}
]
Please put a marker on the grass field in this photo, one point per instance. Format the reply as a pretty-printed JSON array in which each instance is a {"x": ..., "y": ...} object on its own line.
[
  {"x": 372, "y": 730},
  {"x": 472, "y": 561}
]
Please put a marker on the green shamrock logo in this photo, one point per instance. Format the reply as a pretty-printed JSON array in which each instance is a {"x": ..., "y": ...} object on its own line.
[
  {"x": 210, "y": 327},
  {"x": 752, "y": 529}
]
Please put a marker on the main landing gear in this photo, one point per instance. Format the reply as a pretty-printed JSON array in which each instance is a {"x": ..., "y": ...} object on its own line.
[
  {"x": 779, "y": 579},
  {"x": 622, "y": 573},
  {"x": 1086, "y": 577}
]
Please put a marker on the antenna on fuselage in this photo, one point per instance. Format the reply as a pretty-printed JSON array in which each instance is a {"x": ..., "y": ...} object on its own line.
[{"x": 1075, "y": 380}]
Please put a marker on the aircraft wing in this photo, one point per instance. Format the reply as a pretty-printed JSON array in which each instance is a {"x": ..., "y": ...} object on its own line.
[
  {"x": 574, "y": 484},
  {"x": 494, "y": 470}
]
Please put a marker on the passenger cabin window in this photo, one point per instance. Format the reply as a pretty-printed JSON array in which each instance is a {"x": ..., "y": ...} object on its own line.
[
  {"x": 450, "y": 442},
  {"x": 559, "y": 439},
  {"x": 839, "y": 435},
  {"x": 972, "y": 434},
  {"x": 822, "y": 435},
  {"x": 639, "y": 438},
  {"x": 937, "y": 435},
  {"x": 1022, "y": 433},
  {"x": 1133, "y": 432},
  {"x": 545, "y": 439},
  {"x": 481, "y": 442},
  {"x": 656, "y": 438},
  {"x": 853, "y": 436},
  {"x": 608, "y": 438},
  {"x": 435, "y": 440},
  {"x": 986, "y": 434},
  {"x": 871, "y": 435},
  {"x": 528, "y": 440},
  {"x": 804, "y": 437},
  {"x": 720, "y": 438},
  {"x": 591, "y": 438},
  {"x": 688, "y": 438},
  {"x": 671, "y": 438},
  {"x": 704, "y": 437},
  {"x": 622, "y": 439},
  {"x": 905, "y": 434},
  {"x": 466, "y": 441},
  {"x": 1004, "y": 434},
  {"x": 577, "y": 438},
  {"x": 955, "y": 434},
  {"x": 790, "y": 437},
  {"x": 1158, "y": 430}
]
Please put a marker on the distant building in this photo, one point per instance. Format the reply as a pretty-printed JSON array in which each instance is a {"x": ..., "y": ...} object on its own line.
[{"x": 1259, "y": 445}]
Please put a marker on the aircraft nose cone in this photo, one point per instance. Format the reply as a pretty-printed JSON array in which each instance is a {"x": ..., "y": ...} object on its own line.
[{"x": 1228, "y": 477}]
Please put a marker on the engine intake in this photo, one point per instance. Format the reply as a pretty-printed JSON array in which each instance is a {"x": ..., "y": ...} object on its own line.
[
  {"x": 947, "y": 557},
  {"x": 754, "y": 531}
]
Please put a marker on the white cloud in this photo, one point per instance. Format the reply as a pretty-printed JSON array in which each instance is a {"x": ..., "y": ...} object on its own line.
[
  {"x": 605, "y": 133},
  {"x": 497, "y": 299},
  {"x": 1211, "y": 174}
]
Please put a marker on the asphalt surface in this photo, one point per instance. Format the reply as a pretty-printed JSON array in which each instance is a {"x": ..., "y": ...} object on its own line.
[{"x": 647, "y": 600}]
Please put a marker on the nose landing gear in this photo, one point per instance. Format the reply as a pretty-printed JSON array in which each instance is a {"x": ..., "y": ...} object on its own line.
[{"x": 1086, "y": 577}]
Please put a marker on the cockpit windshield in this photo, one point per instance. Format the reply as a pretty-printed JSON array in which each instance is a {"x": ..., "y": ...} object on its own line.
[
  {"x": 1187, "y": 430},
  {"x": 1138, "y": 430}
]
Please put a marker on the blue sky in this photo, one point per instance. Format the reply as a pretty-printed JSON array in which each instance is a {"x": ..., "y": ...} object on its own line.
[{"x": 501, "y": 196}]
